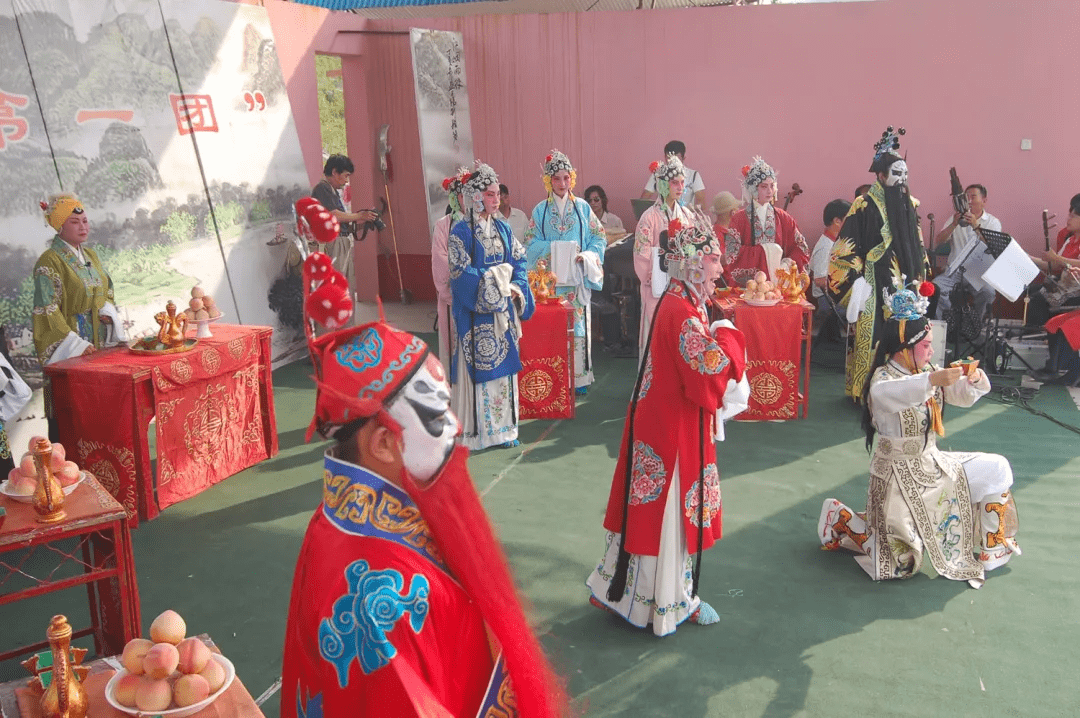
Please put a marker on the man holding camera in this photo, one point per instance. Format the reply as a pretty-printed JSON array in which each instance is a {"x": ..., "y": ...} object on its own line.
[{"x": 336, "y": 174}]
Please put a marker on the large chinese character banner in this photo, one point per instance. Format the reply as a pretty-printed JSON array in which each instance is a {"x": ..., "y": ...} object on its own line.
[
  {"x": 171, "y": 123},
  {"x": 442, "y": 108}
]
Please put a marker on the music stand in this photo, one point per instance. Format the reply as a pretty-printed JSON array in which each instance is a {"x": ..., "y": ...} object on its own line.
[{"x": 997, "y": 349}]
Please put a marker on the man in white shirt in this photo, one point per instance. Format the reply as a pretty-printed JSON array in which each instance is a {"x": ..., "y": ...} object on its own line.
[
  {"x": 961, "y": 232},
  {"x": 694, "y": 192},
  {"x": 513, "y": 216},
  {"x": 833, "y": 218}
]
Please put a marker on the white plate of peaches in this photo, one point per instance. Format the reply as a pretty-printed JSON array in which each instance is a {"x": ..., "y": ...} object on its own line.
[{"x": 168, "y": 675}]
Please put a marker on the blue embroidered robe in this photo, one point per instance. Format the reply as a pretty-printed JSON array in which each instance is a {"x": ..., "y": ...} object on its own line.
[
  {"x": 371, "y": 591},
  {"x": 578, "y": 225},
  {"x": 488, "y": 353}
]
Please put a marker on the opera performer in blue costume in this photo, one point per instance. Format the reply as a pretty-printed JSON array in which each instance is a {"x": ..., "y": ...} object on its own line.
[
  {"x": 563, "y": 228},
  {"x": 490, "y": 298}
]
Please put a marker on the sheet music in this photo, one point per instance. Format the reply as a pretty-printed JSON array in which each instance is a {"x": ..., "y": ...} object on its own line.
[
  {"x": 1011, "y": 272},
  {"x": 975, "y": 260},
  {"x": 563, "y": 254}
]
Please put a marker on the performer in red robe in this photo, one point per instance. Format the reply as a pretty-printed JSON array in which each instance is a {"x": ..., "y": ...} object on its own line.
[
  {"x": 758, "y": 225},
  {"x": 402, "y": 601},
  {"x": 665, "y": 495}
]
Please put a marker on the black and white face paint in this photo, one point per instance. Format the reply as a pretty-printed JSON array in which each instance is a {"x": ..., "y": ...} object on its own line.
[
  {"x": 897, "y": 174},
  {"x": 428, "y": 426}
]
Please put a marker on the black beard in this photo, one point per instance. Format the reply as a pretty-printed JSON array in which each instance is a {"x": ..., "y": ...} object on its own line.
[{"x": 904, "y": 227}]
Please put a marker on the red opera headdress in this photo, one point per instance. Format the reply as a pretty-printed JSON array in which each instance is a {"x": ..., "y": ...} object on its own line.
[{"x": 359, "y": 372}]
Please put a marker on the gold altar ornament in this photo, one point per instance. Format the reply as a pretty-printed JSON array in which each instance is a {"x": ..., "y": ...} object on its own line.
[
  {"x": 542, "y": 282},
  {"x": 48, "y": 499},
  {"x": 791, "y": 282},
  {"x": 65, "y": 697},
  {"x": 171, "y": 333}
]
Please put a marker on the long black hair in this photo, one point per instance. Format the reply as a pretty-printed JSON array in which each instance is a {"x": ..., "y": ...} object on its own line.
[{"x": 889, "y": 344}]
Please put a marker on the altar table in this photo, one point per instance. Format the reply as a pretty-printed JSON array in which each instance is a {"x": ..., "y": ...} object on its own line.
[
  {"x": 214, "y": 407},
  {"x": 546, "y": 381},
  {"x": 90, "y": 547},
  {"x": 778, "y": 340}
]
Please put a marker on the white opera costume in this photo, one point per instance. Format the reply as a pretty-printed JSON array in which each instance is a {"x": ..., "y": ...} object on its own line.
[{"x": 955, "y": 507}]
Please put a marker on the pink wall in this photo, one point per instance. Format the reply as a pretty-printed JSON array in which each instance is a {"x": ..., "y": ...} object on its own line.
[{"x": 596, "y": 86}]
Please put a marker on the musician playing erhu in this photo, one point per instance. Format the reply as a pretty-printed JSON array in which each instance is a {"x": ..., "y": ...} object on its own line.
[
  {"x": 960, "y": 232},
  {"x": 759, "y": 226},
  {"x": 1064, "y": 254}
]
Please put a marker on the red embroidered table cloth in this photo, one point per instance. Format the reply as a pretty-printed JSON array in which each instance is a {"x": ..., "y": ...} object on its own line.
[
  {"x": 214, "y": 407},
  {"x": 546, "y": 381},
  {"x": 778, "y": 356}
]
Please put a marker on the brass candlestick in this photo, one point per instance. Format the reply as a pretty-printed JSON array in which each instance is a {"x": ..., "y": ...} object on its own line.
[{"x": 48, "y": 498}]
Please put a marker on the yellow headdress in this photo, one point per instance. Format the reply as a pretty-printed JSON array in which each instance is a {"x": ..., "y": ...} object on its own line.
[{"x": 59, "y": 208}]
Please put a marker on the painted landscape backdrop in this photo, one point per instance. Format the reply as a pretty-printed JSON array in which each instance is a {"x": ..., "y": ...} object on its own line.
[{"x": 170, "y": 120}]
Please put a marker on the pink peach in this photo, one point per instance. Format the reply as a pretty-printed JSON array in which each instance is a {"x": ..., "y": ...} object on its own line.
[
  {"x": 202, "y": 314},
  {"x": 125, "y": 689},
  {"x": 134, "y": 653},
  {"x": 214, "y": 674},
  {"x": 193, "y": 655},
  {"x": 208, "y": 301},
  {"x": 69, "y": 473},
  {"x": 26, "y": 465},
  {"x": 160, "y": 661},
  {"x": 23, "y": 486},
  {"x": 197, "y": 292},
  {"x": 189, "y": 690},
  {"x": 196, "y": 304},
  {"x": 153, "y": 695},
  {"x": 168, "y": 628}
]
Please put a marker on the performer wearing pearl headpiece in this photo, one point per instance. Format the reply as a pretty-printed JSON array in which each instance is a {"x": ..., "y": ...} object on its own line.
[
  {"x": 670, "y": 178},
  {"x": 560, "y": 220},
  {"x": 954, "y": 507},
  {"x": 490, "y": 298},
  {"x": 760, "y": 226},
  {"x": 665, "y": 495}
]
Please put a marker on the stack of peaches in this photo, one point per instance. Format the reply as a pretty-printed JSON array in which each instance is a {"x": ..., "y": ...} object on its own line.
[
  {"x": 201, "y": 306},
  {"x": 22, "y": 480},
  {"x": 167, "y": 671}
]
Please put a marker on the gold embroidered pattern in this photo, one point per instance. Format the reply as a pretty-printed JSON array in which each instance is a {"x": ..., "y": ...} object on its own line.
[
  {"x": 236, "y": 348},
  {"x": 505, "y": 702},
  {"x": 361, "y": 504},
  {"x": 58, "y": 291},
  {"x": 103, "y": 461},
  {"x": 165, "y": 409},
  {"x": 206, "y": 425},
  {"x": 181, "y": 369},
  {"x": 211, "y": 361},
  {"x": 248, "y": 376}
]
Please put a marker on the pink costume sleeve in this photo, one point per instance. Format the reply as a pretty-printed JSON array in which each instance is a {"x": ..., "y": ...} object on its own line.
[
  {"x": 440, "y": 265},
  {"x": 646, "y": 237}
]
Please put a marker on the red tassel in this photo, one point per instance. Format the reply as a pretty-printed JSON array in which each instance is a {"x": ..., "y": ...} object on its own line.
[
  {"x": 44, "y": 206},
  {"x": 654, "y": 166},
  {"x": 927, "y": 289}
]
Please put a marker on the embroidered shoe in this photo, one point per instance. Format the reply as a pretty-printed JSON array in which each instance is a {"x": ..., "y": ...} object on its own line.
[
  {"x": 705, "y": 615},
  {"x": 581, "y": 390}
]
